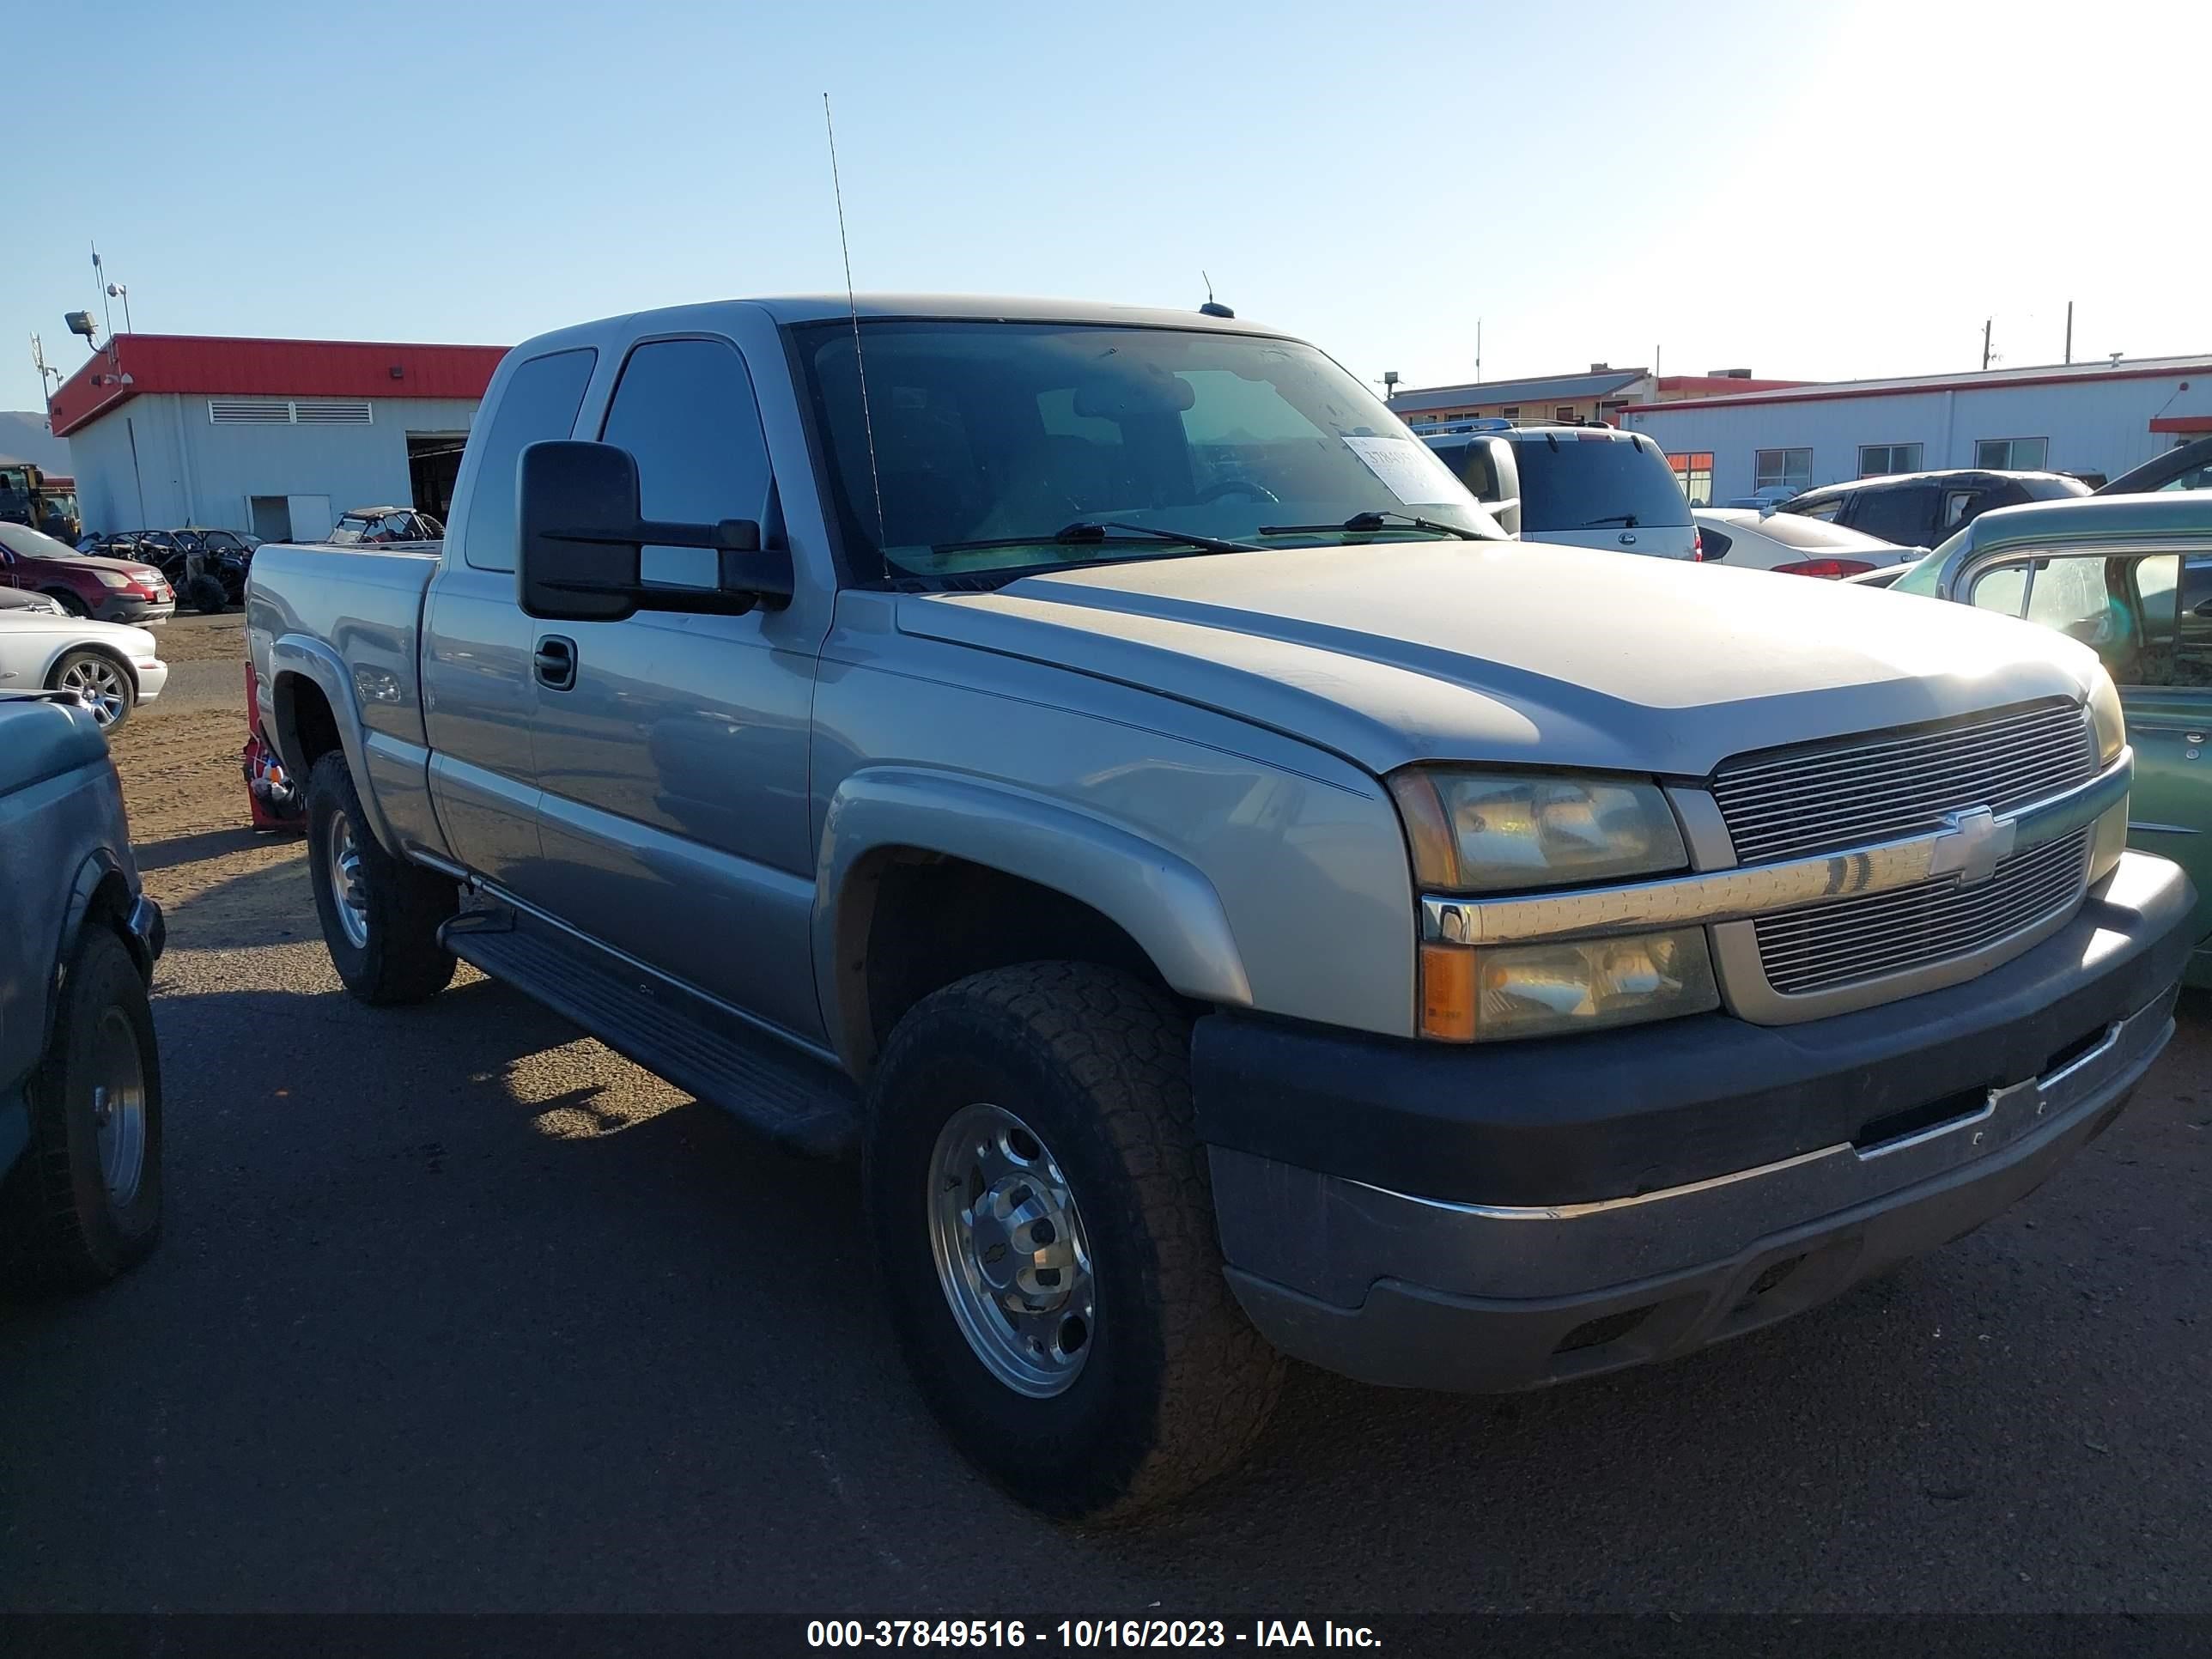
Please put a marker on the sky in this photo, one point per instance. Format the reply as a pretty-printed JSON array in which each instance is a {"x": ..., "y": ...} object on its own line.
[{"x": 1816, "y": 190}]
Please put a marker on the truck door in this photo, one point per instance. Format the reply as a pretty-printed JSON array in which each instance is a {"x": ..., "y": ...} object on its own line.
[
  {"x": 671, "y": 750},
  {"x": 479, "y": 693}
]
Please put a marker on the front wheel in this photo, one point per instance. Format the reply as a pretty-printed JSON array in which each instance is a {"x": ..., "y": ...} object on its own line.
[
  {"x": 69, "y": 602},
  {"x": 381, "y": 915},
  {"x": 205, "y": 595},
  {"x": 1044, "y": 1222},
  {"x": 85, "y": 1201},
  {"x": 100, "y": 683}
]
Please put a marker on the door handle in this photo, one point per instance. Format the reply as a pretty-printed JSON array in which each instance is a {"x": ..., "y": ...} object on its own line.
[{"x": 555, "y": 662}]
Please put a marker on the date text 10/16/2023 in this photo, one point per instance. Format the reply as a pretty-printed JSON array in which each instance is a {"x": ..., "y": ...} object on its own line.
[{"x": 1086, "y": 1633}]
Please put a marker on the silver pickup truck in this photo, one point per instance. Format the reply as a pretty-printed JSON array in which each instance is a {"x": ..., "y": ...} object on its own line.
[{"x": 1240, "y": 904}]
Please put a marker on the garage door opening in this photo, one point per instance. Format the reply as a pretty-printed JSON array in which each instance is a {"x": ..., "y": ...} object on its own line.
[{"x": 434, "y": 461}]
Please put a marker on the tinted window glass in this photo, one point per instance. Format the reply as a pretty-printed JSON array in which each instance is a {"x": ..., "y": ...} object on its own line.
[
  {"x": 1714, "y": 544},
  {"x": 540, "y": 402},
  {"x": 684, "y": 409},
  {"x": 1585, "y": 484},
  {"x": 979, "y": 443},
  {"x": 1901, "y": 515}
]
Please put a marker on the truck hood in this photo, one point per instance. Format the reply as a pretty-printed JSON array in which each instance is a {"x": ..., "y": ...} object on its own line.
[{"x": 1514, "y": 653}]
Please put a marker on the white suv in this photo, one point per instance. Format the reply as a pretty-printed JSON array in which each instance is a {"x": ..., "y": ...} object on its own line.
[{"x": 1584, "y": 486}]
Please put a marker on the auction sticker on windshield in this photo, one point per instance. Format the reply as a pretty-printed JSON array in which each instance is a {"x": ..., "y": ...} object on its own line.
[{"x": 1409, "y": 470}]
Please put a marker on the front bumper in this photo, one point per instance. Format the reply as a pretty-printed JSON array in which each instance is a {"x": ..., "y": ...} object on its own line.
[
  {"x": 1705, "y": 1193},
  {"x": 148, "y": 930},
  {"x": 139, "y": 613}
]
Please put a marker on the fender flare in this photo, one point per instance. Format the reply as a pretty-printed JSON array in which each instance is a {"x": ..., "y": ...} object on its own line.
[
  {"x": 301, "y": 655},
  {"x": 1161, "y": 900},
  {"x": 98, "y": 867}
]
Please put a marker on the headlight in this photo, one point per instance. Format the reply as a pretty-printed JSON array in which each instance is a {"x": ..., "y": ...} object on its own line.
[
  {"x": 1545, "y": 990},
  {"x": 2110, "y": 726},
  {"x": 113, "y": 578},
  {"x": 1489, "y": 831}
]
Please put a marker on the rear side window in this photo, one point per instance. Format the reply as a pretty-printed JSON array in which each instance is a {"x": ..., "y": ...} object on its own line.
[
  {"x": 540, "y": 402},
  {"x": 1596, "y": 484},
  {"x": 684, "y": 409},
  {"x": 1901, "y": 515}
]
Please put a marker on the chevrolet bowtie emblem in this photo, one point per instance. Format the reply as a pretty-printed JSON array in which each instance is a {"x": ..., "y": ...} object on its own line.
[{"x": 1970, "y": 845}]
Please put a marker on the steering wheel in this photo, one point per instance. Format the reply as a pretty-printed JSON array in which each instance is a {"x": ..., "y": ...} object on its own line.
[{"x": 1220, "y": 487}]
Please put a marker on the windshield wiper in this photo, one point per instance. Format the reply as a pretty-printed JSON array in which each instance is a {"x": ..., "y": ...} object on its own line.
[
  {"x": 1377, "y": 521},
  {"x": 1085, "y": 533},
  {"x": 1626, "y": 520}
]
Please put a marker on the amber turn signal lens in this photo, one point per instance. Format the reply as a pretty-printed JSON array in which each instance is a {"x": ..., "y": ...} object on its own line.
[{"x": 1447, "y": 992}]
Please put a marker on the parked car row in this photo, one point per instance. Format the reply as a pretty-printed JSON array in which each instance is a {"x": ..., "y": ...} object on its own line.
[{"x": 206, "y": 567}]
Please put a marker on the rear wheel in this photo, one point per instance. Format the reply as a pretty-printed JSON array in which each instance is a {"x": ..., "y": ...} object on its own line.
[
  {"x": 205, "y": 595},
  {"x": 1045, "y": 1226},
  {"x": 101, "y": 683},
  {"x": 85, "y": 1201},
  {"x": 381, "y": 915}
]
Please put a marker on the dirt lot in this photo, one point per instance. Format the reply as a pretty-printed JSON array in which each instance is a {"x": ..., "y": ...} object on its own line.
[{"x": 456, "y": 1310}]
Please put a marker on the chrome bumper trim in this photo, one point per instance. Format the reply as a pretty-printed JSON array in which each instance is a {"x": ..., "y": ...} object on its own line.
[{"x": 1966, "y": 850}]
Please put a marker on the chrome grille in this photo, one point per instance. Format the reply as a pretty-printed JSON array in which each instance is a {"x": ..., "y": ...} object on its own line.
[
  {"x": 1834, "y": 945},
  {"x": 1902, "y": 783}
]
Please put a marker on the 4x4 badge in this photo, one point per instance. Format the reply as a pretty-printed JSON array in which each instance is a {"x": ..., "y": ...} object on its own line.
[{"x": 1970, "y": 846}]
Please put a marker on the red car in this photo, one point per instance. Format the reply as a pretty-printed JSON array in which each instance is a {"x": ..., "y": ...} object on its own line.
[{"x": 107, "y": 590}]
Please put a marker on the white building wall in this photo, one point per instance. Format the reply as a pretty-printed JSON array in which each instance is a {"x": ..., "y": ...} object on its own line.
[
  {"x": 2093, "y": 426},
  {"x": 189, "y": 471}
]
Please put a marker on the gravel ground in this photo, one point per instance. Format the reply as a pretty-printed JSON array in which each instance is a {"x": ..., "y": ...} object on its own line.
[{"x": 457, "y": 1310}]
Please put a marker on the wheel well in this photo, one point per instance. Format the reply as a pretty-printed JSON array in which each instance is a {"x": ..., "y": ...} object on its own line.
[
  {"x": 130, "y": 673},
  {"x": 915, "y": 921},
  {"x": 306, "y": 730}
]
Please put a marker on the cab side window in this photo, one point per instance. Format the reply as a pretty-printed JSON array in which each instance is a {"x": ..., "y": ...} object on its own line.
[
  {"x": 2122, "y": 606},
  {"x": 1901, "y": 513},
  {"x": 686, "y": 411},
  {"x": 540, "y": 402}
]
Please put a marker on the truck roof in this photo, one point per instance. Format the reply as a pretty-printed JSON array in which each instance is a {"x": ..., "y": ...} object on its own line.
[{"x": 791, "y": 308}]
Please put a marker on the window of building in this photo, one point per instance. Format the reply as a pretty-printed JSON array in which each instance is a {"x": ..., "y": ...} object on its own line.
[
  {"x": 1695, "y": 469},
  {"x": 1875, "y": 459},
  {"x": 540, "y": 402},
  {"x": 1563, "y": 411},
  {"x": 1510, "y": 412},
  {"x": 2013, "y": 454},
  {"x": 684, "y": 409},
  {"x": 1787, "y": 469}
]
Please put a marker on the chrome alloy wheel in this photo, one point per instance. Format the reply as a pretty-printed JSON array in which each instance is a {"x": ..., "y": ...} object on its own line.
[
  {"x": 349, "y": 890},
  {"x": 1010, "y": 1251},
  {"x": 99, "y": 684},
  {"x": 118, "y": 1106}
]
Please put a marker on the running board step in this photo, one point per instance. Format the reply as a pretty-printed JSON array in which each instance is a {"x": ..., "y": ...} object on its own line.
[{"x": 802, "y": 1105}]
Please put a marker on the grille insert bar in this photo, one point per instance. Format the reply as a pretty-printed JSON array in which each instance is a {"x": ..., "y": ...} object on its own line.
[
  {"x": 1839, "y": 796},
  {"x": 1849, "y": 943}
]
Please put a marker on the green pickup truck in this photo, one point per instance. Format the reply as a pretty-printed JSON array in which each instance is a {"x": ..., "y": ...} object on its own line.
[{"x": 2131, "y": 577}]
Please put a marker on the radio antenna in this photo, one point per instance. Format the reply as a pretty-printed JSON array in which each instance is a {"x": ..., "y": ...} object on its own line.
[{"x": 860, "y": 364}]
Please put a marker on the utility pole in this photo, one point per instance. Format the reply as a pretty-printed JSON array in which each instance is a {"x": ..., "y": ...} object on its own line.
[
  {"x": 1478, "y": 351},
  {"x": 1986, "y": 343},
  {"x": 2069, "y": 330}
]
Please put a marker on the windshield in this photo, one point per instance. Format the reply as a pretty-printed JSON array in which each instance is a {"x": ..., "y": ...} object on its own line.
[
  {"x": 1011, "y": 433},
  {"x": 1574, "y": 481},
  {"x": 28, "y": 544}
]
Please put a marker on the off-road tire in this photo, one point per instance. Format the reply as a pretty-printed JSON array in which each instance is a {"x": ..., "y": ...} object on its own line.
[
  {"x": 205, "y": 595},
  {"x": 402, "y": 961},
  {"x": 1177, "y": 1384},
  {"x": 60, "y": 1227}
]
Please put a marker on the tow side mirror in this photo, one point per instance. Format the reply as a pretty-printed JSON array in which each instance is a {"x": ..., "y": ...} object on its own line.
[{"x": 581, "y": 538}]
